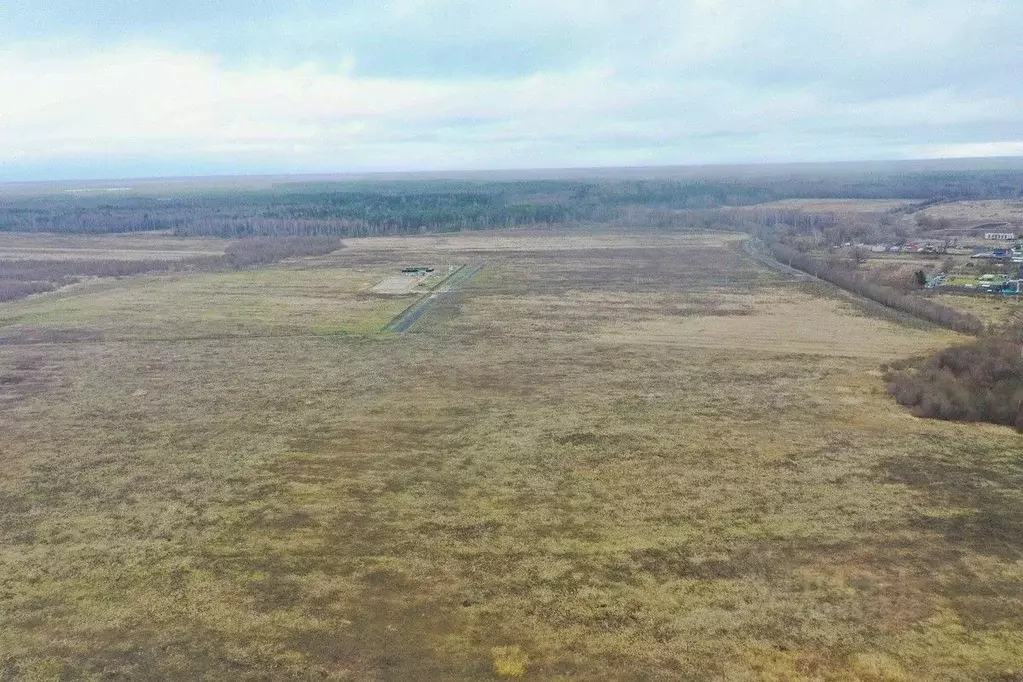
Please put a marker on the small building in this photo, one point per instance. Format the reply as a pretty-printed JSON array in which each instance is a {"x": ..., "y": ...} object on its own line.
[
  {"x": 417, "y": 270},
  {"x": 1000, "y": 236}
]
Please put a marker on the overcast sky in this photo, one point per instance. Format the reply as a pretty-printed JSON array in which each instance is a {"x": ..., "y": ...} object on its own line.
[{"x": 113, "y": 88}]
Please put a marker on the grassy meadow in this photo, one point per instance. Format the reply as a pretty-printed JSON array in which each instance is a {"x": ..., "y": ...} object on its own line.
[
  {"x": 131, "y": 247},
  {"x": 993, "y": 309},
  {"x": 614, "y": 457},
  {"x": 245, "y": 303}
]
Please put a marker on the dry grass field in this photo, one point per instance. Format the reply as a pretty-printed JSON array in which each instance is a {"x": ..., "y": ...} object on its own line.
[
  {"x": 973, "y": 212},
  {"x": 15, "y": 246},
  {"x": 286, "y": 300},
  {"x": 993, "y": 309},
  {"x": 605, "y": 457},
  {"x": 36, "y": 263},
  {"x": 840, "y": 206}
]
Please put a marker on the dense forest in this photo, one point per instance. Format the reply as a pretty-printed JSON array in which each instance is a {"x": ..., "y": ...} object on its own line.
[
  {"x": 363, "y": 209},
  {"x": 350, "y": 208}
]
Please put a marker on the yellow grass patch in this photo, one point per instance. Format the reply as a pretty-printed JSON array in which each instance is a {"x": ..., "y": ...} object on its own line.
[
  {"x": 992, "y": 210},
  {"x": 794, "y": 323}
]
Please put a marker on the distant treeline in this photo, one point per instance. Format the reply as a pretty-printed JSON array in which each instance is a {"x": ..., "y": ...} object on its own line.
[
  {"x": 352, "y": 209},
  {"x": 982, "y": 381},
  {"x": 20, "y": 278},
  {"x": 917, "y": 306}
]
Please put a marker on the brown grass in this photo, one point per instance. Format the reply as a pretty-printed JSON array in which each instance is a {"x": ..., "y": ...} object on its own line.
[
  {"x": 994, "y": 309},
  {"x": 976, "y": 212},
  {"x": 840, "y": 206},
  {"x": 793, "y": 322},
  {"x": 522, "y": 484},
  {"x": 20, "y": 246}
]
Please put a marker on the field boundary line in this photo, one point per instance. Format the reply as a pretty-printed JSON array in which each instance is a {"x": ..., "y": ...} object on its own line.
[{"x": 749, "y": 247}]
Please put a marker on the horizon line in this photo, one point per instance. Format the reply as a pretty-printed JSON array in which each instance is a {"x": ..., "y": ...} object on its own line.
[{"x": 458, "y": 173}]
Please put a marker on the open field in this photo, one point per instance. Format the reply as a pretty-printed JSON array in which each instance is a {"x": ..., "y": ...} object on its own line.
[
  {"x": 280, "y": 301},
  {"x": 15, "y": 246},
  {"x": 973, "y": 212},
  {"x": 36, "y": 263},
  {"x": 842, "y": 206},
  {"x": 604, "y": 457},
  {"x": 917, "y": 260},
  {"x": 532, "y": 240},
  {"x": 397, "y": 284},
  {"x": 962, "y": 212},
  {"x": 993, "y": 309},
  {"x": 766, "y": 323}
]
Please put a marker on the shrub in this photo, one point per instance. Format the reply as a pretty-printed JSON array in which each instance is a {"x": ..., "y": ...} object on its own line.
[
  {"x": 10, "y": 290},
  {"x": 982, "y": 381}
]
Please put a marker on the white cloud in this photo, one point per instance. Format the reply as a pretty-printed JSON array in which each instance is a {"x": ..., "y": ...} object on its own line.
[
  {"x": 142, "y": 100},
  {"x": 652, "y": 81}
]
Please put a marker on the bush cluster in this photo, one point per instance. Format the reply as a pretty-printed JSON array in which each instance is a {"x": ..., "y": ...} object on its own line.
[
  {"x": 13, "y": 289},
  {"x": 981, "y": 381}
]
